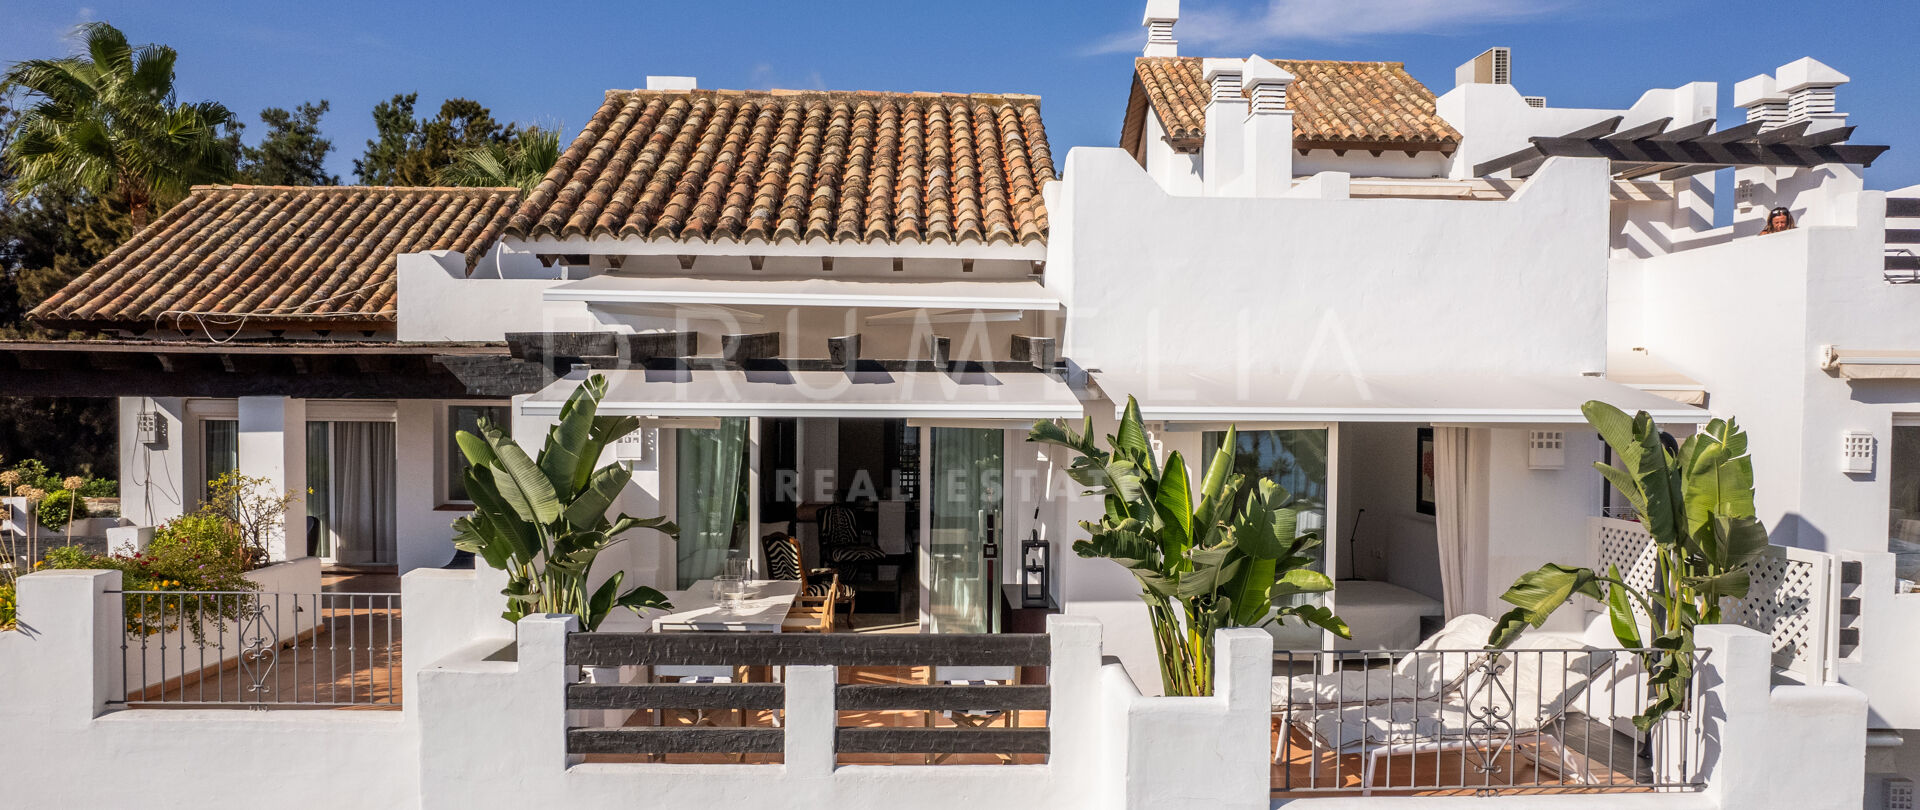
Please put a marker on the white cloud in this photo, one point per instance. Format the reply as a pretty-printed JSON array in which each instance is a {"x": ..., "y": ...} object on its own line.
[{"x": 1230, "y": 30}]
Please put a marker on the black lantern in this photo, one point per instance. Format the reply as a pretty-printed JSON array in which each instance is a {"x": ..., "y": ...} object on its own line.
[{"x": 1036, "y": 572}]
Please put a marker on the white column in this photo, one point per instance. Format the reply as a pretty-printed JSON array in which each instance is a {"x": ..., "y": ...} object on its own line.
[
  {"x": 1222, "y": 157},
  {"x": 273, "y": 447},
  {"x": 1269, "y": 130},
  {"x": 1159, "y": 20}
]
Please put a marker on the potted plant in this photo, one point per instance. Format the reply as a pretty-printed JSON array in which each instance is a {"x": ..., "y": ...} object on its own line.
[
  {"x": 545, "y": 521},
  {"x": 1215, "y": 562}
]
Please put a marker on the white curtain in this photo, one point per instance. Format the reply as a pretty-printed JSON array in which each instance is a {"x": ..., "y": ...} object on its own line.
[
  {"x": 1456, "y": 522},
  {"x": 363, "y": 492}
]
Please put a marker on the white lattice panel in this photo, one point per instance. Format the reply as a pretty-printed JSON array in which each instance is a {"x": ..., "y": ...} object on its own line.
[
  {"x": 1787, "y": 601},
  {"x": 1625, "y": 543}
]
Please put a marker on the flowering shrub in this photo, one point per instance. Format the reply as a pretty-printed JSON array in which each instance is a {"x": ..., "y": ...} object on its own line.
[
  {"x": 60, "y": 507},
  {"x": 197, "y": 552},
  {"x": 9, "y": 603}
]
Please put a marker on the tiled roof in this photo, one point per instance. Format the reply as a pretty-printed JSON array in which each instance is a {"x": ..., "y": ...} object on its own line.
[
  {"x": 1335, "y": 104},
  {"x": 277, "y": 256},
  {"x": 799, "y": 166}
]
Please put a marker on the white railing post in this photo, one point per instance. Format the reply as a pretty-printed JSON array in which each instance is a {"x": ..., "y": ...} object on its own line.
[
  {"x": 1243, "y": 676},
  {"x": 1073, "y": 718},
  {"x": 810, "y": 720}
]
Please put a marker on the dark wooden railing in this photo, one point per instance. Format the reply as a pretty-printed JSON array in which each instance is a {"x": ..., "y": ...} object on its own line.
[{"x": 783, "y": 650}]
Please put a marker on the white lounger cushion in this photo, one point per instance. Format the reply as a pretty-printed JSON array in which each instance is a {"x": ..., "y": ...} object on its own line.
[
  {"x": 1422, "y": 677},
  {"x": 1366, "y": 726}
]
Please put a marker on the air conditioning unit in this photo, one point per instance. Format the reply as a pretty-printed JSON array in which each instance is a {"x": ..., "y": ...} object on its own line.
[
  {"x": 152, "y": 429},
  {"x": 1493, "y": 66}
]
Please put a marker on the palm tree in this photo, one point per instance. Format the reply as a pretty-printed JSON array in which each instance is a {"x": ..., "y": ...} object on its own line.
[
  {"x": 521, "y": 164},
  {"x": 107, "y": 121}
]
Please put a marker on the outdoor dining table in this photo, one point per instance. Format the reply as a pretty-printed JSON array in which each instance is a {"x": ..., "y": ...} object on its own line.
[{"x": 763, "y": 610}]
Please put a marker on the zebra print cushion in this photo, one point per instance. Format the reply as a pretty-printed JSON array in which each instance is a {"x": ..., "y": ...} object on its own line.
[
  {"x": 783, "y": 556},
  {"x": 838, "y": 526},
  {"x": 857, "y": 553}
]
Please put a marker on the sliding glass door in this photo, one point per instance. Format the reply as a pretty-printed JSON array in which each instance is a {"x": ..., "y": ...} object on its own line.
[
  {"x": 964, "y": 498},
  {"x": 1297, "y": 461},
  {"x": 711, "y": 487}
]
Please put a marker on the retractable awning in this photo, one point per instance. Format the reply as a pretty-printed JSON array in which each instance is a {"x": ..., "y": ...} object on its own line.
[
  {"x": 1016, "y": 295},
  {"x": 1871, "y": 364},
  {"x": 1640, "y": 369},
  {"x": 1441, "y": 398},
  {"x": 775, "y": 392}
]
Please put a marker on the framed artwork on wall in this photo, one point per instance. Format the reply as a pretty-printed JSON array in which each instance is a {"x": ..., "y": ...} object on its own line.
[{"x": 1423, "y": 471}]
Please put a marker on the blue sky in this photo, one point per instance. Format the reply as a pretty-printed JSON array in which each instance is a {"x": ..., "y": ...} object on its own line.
[{"x": 549, "y": 62}]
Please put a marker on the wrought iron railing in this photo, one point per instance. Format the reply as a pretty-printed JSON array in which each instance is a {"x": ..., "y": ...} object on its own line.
[
  {"x": 1476, "y": 721},
  {"x": 259, "y": 650}
]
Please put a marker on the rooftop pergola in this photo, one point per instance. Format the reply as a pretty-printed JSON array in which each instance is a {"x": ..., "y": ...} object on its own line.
[{"x": 1652, "y": 149}]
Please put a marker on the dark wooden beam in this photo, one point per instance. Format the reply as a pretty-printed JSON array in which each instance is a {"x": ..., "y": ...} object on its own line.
[
  {"x": 872, "y": 740},
  {"x": 1683, "y": 172},
  {"x": 750, "y": 696},
  {"x": 648, "y": 345},
  {"x": 753, "y": 346},
  {"x": 1646, "y": 130},
  {"x": 1528, "y": 167},
  {"x": 1506, "y": 161},
  {"x": 844, "y": 351},
  {"x": 1903, "y": 206},
  {"x": 940, "y": 350},
  {"x": 1597, "y": 130},
  {"x": 1040, "y": 351},
  {"x": 795, "y": 649},
  {"x": 1903, "y": 236},
  {"x": 870, "y": 697},
  {"x": 1783, "y": 133},
  {"x": 1685, "y": 133},
  {"x": 675, "y": 740}
]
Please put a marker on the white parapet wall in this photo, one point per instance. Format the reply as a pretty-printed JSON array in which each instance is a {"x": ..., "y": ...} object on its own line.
[{"x": 485, "y": 722}]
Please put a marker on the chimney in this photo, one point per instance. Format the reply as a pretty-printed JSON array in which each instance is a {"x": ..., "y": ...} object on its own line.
[
  {"x": 1492, "y": 66},
  {"x": 1159, "y": 20},
  {"x": 672, "y": 83},
  {"x": 1269, "y": 129},
  {"x": 1762, "y": 100},
  {"x": 1808, "y": 86},
  {"x": 1222, "y": 159}
]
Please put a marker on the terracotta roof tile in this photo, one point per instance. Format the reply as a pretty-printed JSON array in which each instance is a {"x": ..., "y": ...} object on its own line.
[
  {"x": 278, "y": 255},
  {"x": 799, "y": 166},
  {"x": 1333, "y": 103}
]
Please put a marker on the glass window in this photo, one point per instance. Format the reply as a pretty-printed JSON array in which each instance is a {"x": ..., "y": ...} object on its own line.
[
  {"x": 467, "y": 418},
  {"x": 711, "y": 490},
  {"x": 319, "y": 486},
  {"x": 220, "y": 444},
  {"x": 1296, "y": 460},
  {"x": 1903, "y": 501}
]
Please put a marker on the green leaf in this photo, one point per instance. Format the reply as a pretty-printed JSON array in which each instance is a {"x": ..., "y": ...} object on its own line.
[
  {"x": 1213, "y": 567},
  {"x": 520, "y": 482},
  {"x": 1620, "y": 611},
  {"x": 1320, "y": 616},
  {"x": 1251, "y": 591},
  {"x": 644, "y": 598},
  {"x": 601, "y": 603},
  {"x": 1174, "y": 503},
  {"x": 563, "y": 457},
  {"x": 589, "y": 508},
  {"x": 1540, "y": 592},
  {"x": 1302, "y": 580}
]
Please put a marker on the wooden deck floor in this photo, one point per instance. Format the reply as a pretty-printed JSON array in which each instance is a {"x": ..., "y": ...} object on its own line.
[{"x": 1593, "y": 759}]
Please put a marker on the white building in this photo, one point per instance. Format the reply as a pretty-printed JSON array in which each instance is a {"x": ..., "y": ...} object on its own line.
[{"x": 1401, "y": 300}]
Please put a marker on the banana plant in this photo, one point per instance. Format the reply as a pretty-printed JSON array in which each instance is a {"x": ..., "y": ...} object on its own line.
[
  {"x": 544, "y": 522},
  {"x": 1218, "y": 561},
  {"x": 1697, "y": 505}
]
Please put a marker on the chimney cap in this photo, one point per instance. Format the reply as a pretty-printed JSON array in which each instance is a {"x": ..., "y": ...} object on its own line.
[
  {"x": 1806, "y": 72},
  {"x": 672, "y": 83},
  {"x": 1259, "y": 70},
  {"x": 1165, "y": 10},
  {"x": 1758, "y": 90},
  {"x": 1213, "y": 66}
]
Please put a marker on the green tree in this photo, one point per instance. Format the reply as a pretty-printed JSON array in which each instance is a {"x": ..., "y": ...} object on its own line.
[
  {"x": 409, "y": 151},
  {"x": 521, "y": 164},
  {"x": 292, "y": 153},
  {"x": 109, "y": 123}
]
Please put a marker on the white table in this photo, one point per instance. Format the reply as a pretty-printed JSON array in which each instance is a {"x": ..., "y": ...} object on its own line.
[{"x": 763, "y": 611}]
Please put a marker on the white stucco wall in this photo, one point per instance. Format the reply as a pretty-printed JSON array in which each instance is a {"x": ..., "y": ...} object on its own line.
[{"x": 1407, "y": 286}]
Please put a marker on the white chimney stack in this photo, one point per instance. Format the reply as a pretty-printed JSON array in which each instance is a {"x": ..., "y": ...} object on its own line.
[
  {"x": 1222, "y": 159},
  {"x": 1159, "y": 20},
  {"x": 1762, "y": 100},
  {"x": 1269, "y": 129},
  {"x": 1808, "y": 86},
  {"x": 672, "y": 83}
]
